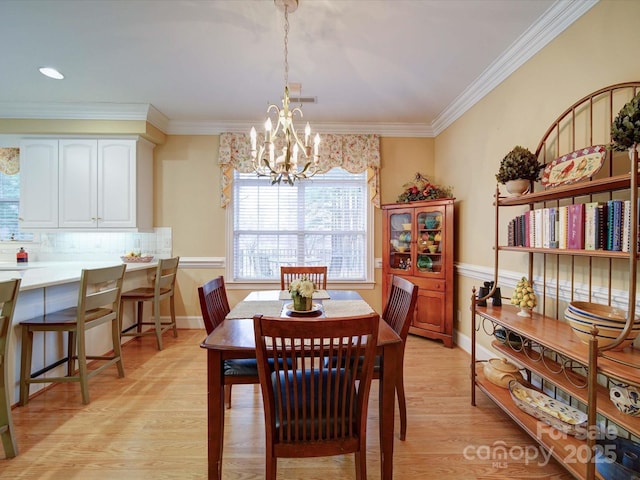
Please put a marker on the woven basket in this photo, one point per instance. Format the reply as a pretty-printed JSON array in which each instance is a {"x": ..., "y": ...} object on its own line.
[{"x": 137, "y": 259}]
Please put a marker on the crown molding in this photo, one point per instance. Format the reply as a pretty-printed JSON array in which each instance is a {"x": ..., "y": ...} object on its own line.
[
  {"x": 382, "y": 129},
  {"x": 553, "y": 22},
  {"x": 75, "y": 111}
]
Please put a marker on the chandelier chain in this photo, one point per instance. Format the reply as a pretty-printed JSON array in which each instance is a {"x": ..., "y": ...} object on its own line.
[{"x": 286, "y": 45}]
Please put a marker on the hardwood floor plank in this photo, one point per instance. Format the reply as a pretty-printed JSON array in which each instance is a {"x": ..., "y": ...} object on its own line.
[{"x": 152, "y": 425}]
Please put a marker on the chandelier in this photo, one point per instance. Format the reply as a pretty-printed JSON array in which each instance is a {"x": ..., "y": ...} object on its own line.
[{"x": 284, "y": 156}]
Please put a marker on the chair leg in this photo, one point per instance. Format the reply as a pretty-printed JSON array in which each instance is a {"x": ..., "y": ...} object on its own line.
[
  {"x": 402, "y": 404},
  {"x": 158, "y": 326},
  {"x": 25, "y": 364},
  {"x": 6, "y": 422},
  {"x": 172, "y": 306},
  {"x": 361, "y": 463},
  {"x": 272, "y": 467},
  {"x": 227, "y": 396},
  {"x": 82, "y": 367},
  {"x": 71, "y": 349},
  {"x": 140, "y": 308},
  {"x": 117, "y": 350}
]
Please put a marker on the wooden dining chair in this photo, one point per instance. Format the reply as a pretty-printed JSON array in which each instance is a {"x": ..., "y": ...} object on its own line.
[
  {"x": 313, "y": 409},
  {"x": 8, "y": 295},
  {"x": 98, "y": 302},
  {"x": 398, "y": 313},
  {"x": 163, "y": 288},
  {"x": 317, "y": 274},
  {"x": 214, "y": 306}
]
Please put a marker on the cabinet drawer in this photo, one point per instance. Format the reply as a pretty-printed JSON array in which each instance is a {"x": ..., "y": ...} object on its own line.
[{"x": 427, "y": 284}]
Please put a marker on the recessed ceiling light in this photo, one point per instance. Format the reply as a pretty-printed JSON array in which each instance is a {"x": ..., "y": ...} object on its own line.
[{"x": 51, "y": 73}]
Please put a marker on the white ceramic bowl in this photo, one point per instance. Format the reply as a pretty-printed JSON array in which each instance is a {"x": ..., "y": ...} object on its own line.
[
  {"x": 607, "y": 334},
  {"x": 599, "y": 311}
]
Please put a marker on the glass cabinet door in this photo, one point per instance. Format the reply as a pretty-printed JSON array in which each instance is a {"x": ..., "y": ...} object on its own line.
[
  {"x": 400, "y": 240},
  {"x": 429, "y": 242}
]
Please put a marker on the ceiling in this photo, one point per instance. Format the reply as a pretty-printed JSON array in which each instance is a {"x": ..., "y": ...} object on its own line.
[{"x": 403, "y": 67}]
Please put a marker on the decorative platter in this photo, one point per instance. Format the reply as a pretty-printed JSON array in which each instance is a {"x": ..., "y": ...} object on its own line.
[
  {"x": 574, "y": 167},
  {"x": 548, "y": 410},
  {"x": 315, "y": 307},
  {"x": 425, "y": 264}
]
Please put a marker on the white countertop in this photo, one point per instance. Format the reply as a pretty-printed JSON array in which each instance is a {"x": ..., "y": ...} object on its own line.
[{"x": 45, "y": 274}]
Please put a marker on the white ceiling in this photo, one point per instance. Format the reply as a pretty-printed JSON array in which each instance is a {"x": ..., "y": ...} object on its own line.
[{"x": 404, "y": 67}]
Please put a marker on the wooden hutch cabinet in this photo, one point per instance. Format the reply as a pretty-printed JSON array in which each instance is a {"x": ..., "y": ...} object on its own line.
[{"x": 417, "y": 244}]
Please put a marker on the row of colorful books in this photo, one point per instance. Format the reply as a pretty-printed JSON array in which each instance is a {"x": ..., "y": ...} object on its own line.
[{"x": 580, "y": 226}]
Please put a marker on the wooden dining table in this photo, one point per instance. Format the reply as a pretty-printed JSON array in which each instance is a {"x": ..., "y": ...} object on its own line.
[{"x": 234, "y": 339}]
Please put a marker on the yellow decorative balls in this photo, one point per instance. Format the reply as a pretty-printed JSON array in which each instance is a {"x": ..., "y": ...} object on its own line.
[{"x": 523, "y": 295}]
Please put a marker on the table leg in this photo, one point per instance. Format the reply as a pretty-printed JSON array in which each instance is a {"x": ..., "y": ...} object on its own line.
[
  {"x": 215, "y": 413},
  {"x": 387, "y": 394}
]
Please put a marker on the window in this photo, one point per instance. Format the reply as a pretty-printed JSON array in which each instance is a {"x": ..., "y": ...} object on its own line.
[
  {"x": 319, "y": 221},
  {"x": 9, "y": 209}
]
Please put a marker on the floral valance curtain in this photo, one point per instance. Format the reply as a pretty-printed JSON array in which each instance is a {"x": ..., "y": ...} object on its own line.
[
  {"x": 9, "y": 160},
  {"x": 354, "y": 153}
]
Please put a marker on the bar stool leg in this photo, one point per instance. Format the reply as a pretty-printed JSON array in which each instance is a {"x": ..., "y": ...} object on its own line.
[
  {"x": 25, "y": 364},
  {"x": 158, "y": 326},
  {"x": 173, "y": 315},
  {"x": 82, "y": 367}
]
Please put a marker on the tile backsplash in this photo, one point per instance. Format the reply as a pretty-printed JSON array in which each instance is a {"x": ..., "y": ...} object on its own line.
[{"x": 62, "y": 246}]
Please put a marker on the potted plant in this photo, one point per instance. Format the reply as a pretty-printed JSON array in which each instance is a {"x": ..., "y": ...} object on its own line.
[
  {"x": 518, "y": 169},
  {"x": 625, "y": 130}
]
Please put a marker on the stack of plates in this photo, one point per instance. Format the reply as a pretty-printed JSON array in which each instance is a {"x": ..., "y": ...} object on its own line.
[{"x": 610, "y": 321}]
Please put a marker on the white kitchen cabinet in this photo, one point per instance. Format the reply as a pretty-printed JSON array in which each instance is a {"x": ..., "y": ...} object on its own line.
[
  {"x": 38, "y": 184},
  {"x": 104, "y": 184}
]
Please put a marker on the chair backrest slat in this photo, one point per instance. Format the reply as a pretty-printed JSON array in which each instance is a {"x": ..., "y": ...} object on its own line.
[
  {"x": 317, "y": 274},
  {"x": 8, "y": 295},
  {"x": 166, "y": 276},
  {"x": 100, "y": 287},
  {"x": 400, "y": 306},
  {"x": 214, "y": 304}
]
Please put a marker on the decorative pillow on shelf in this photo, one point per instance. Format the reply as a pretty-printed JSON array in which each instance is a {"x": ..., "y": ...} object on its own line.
[{"x": 574, "y": 167}]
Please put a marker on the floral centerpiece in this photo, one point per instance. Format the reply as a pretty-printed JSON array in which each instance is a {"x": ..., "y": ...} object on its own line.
[
  {"x": 422, "y": 189},
  {"x": 301, "y": 290}
]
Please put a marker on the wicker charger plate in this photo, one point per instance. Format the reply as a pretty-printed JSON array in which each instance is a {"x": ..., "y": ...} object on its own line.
[{"x": 146, "y": 259}]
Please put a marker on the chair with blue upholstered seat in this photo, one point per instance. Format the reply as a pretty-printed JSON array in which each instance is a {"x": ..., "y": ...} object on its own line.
[
  {"x": 214, "y": 306},
  {"x": 311, "y": 408}
]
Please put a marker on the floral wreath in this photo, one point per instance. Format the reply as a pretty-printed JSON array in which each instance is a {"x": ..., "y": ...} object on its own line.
[{"x": 422, "y": 189}]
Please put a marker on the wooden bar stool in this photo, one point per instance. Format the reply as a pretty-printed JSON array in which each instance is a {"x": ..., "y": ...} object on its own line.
[
  {"x": 98, "y": 301},
  {"x": 163, "y": 288},
  {"x": 8, "y": 294}
]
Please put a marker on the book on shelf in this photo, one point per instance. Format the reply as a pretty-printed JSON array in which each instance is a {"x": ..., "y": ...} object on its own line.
[
  {"x": 537, "y": 236},
  {"x": 546, "y": 227},
  {"x": 527, "y": 228},
  {"x": 563, "y": 224},
  {"x": 590, "y": 226},
  {"x": 602, "y": 227},
  {"x": 553, "y": 227},
  {"x": 575, "y": 226},
  {"x": 626, "y": 225},
  {"x": 614, "y": 225}
]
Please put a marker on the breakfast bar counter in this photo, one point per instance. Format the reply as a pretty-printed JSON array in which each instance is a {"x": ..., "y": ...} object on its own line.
[{"x": 48, "y": 287}]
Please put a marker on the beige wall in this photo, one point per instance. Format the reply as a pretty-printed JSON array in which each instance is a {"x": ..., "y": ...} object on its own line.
[
  {"x": 599, "y": 49},
  {"x": 187, "y": 199}
]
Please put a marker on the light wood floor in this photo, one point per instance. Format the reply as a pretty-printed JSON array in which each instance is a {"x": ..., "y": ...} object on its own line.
[{"x": 152, "y": 425}]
